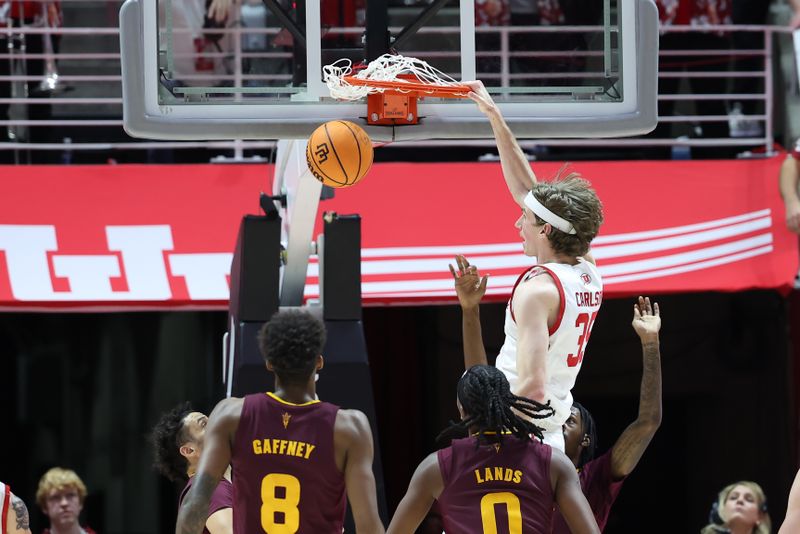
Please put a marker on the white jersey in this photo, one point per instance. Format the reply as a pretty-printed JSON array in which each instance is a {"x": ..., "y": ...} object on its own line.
[{"x": 580, "y": 290}]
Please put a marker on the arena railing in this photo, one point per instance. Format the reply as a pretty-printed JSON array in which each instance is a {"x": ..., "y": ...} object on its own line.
[{"x": 88, "y": 63}]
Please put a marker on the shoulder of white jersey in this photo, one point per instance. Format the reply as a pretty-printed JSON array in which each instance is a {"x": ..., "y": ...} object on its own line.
[
  {"x": 795, "y": 153},
  {"x": 591, "y": 268}
]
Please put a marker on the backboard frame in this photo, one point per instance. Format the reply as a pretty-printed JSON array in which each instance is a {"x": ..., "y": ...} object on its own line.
[{"x": 144, "y": 117}]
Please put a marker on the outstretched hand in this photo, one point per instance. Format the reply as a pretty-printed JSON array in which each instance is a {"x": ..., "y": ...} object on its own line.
[
  {"x": 646, "y": 319},
  {"x": 481, "y": 96},
  {"x": 470, "y": 286}
]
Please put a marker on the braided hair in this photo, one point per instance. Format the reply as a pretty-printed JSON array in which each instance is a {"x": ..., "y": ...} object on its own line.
[
  {"x": 589, "y": 429},
  {"x": 489, "y": 406}
]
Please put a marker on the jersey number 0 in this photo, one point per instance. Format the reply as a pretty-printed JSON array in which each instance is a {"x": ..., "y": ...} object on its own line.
[
  {"x": 280, "y": 515},
  {"x": 513, "y": 510}
]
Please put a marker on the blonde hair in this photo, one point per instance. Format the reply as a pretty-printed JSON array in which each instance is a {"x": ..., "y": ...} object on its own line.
[
  {"x": 59, "y": 479},
  {"x": 764, "y": 527},
  {"x": 571, "y": 197}
]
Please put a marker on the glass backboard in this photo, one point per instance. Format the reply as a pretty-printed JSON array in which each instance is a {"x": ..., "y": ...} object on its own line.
[{"x": 558, "y": 69}]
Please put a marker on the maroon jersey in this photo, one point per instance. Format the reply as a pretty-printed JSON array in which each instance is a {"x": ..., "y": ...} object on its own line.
[
  {"x": 284, "y": 468},
  {"x": 506, "y": 485},
  {"x": 220, "y": 499},
  {"x": 600, "y": 489}
]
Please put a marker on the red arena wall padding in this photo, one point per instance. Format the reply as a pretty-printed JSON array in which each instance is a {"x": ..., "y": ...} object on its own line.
[{"x": 162, "y": 236}]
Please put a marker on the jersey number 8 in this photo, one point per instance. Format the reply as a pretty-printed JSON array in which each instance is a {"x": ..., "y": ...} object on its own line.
[{"x": 271, "y": 505}]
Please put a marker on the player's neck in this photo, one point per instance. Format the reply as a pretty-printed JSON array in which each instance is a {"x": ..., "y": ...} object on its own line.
[
  {"x": 550, "y": 256},
  {"x": 739, "y": 529},
  {"x": 296, "y": 393},
  {"x": 73, "y": 528}
]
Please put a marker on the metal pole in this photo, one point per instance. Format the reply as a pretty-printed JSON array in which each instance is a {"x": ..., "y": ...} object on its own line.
[
  {"x": 505, "y": 64},
  {"x": 377, "y": 36},
  {"x": 768, "y": 89}
]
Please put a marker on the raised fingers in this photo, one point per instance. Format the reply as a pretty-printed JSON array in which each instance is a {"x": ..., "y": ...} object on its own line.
[{"x": 452, "y": 270}]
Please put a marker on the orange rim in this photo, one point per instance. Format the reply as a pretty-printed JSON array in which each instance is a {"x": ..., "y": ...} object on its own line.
[{"x": 412, "y": 88}]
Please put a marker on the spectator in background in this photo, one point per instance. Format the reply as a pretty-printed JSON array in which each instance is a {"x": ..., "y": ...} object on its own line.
[
  {"x": 550, "y": 13},
  {"x": 790, "y": 174},
  {"x": 750, "y": 12},
  {"x": 490, "y": 13},
  {"x": 177, "y": 442},
  {"x": 193, "y": 49},
  {"x": 741, "y": 507},
  {"x": 21, "y": 14},
  {"x": 61, "y": 495},
  {"x": 698, "y": 13},
  {"x": 13, "y": 513},
  {"x": 794, "y": 23}
]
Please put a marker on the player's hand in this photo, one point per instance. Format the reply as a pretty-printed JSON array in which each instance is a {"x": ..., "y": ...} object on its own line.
[
  {"x": 481, "y": 96},
  {"x": 646, "y": 319},
  {"x": 470, "y": 286},
  {"x": 793, "y": 217},
  {"x": 218, "y": 10}
]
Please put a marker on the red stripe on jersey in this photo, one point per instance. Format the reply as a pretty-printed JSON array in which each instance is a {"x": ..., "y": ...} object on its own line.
[
  {"x": 513, "y": 289},
  {"x": 4, "y": 513},
  {"x": 561, "y": 303}
]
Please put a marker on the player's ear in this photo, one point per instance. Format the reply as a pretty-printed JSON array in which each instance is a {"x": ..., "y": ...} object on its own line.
[
  {"x": 320, "y": 363},
  {"x": 547, "y": 229},
  {"x": 586, "y": 441},
  {"x": 270, "y": 368},
  {"x": 186, "y": 450}
]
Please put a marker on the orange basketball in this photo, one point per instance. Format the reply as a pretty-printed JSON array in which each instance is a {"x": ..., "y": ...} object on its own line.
[{"x": 339, "y": 153}]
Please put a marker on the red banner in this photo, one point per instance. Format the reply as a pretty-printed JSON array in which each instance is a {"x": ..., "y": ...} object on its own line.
[{"x": 161, "y": 237}]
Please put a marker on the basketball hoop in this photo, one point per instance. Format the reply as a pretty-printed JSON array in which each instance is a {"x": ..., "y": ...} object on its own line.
[{"x": 392, "y": 85}]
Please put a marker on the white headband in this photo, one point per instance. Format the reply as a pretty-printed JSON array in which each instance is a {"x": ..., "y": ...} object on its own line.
[{"x": 548, "y": 216}]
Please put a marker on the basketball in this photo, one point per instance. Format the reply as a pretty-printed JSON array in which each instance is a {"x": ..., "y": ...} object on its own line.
[{"x": 339, "y": 153}]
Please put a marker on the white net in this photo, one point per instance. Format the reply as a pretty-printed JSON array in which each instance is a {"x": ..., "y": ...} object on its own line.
[{"x": 388, "y": 67}]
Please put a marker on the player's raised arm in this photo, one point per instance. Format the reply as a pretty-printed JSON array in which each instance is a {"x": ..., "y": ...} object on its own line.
[
  {"x": 571, "y": 500},
  {"x": 425, "y": 486},
  {"x": 517, "y": 171},
  {"x": 470, "y": 288},
  {"x": 352, "y": 434},
  {"x": 220, "y": 522},
  {"x": 791, "y": 524},
  {"x": 18, "y": 521},
  {"x": 222, "y": 424},
  {"x": 631, "y": 444},
  {"x": 536, "y": 299}
]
